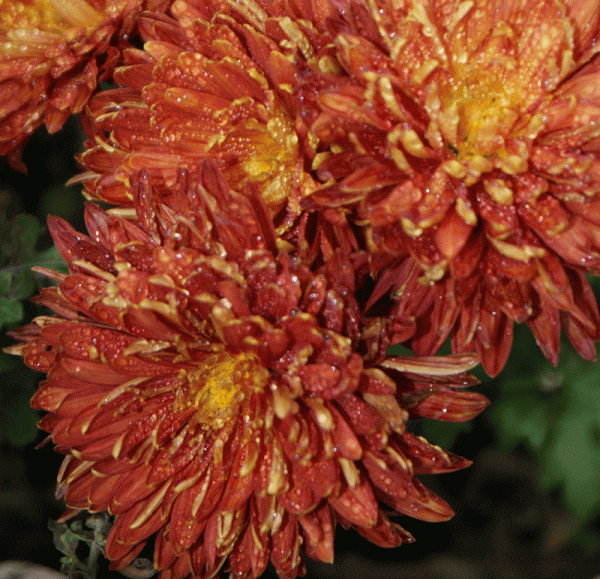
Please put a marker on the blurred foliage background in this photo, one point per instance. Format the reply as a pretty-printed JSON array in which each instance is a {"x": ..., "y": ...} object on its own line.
[{"x": 528, "y": 508}]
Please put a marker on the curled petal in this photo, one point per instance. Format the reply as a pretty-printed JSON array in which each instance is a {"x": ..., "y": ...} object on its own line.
[
  {"x": 432, "y": 365},
  {"x": 443, "y": 403}
]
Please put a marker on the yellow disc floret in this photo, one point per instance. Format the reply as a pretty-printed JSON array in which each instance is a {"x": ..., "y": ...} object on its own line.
[{"x": 218, "y": 385}]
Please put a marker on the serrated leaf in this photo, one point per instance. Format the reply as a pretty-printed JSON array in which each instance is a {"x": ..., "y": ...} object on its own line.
[
  {"x": 17, "y": 280},
  {"x": 572, "y": 457},
  {"x": 556, "y": 413},
  {"x": 572, "y": 461},
  {"x": 521, "y": 419}
]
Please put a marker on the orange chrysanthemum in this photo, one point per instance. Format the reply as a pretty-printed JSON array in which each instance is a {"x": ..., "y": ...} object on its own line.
[
  {"x": 211, "y": 82},
  {"x": 207, "y": 387},
  {"x": 464, "y": 139},
  {"x": 52, "y": 55}
]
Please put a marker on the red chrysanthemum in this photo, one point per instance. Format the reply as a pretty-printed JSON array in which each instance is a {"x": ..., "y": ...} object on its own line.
[
  {"x": 464, "y": 139},
  {"x": 208, "y": 388},
  {"x": 53, "y": 53},
  {"x": 216, "y": 81}
]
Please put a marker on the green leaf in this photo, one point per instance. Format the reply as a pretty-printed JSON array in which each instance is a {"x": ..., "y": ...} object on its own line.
[
  {"x": 65, "y": 540},
  {"x": 572, "y": 454},
  {"x": 521, "y": 419},
  {"x": 23, "y": 284},
  {"x": 18, "y": 255},
  {"x": 27, "y": 229},
  {"x": 11, "y": 311},
  {"x": 19, "y": 238},
  {"x": 572, "y": 462},
  {"x": 555, "y": 413},
  {"x": 5, "y": 282},
  {"x": 72, "y": 540}
]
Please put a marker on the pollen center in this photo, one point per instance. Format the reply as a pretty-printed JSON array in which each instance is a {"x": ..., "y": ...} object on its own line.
[
  {"x": 480, "y": 113},
  {"x": 218, "y": 386},
  {"x": 267, "y": 146}
]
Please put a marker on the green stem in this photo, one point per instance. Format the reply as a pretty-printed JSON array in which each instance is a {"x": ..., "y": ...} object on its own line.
[{"x": 92, "y": 562}]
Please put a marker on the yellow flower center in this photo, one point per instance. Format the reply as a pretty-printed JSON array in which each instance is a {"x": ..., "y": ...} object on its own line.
[
  {"x": 273, "y": 159},
  {"x": 483, "y": 118},
  {"x": 218, "y": 386},
  {"x": 481, "y": 113},
  {"x": 492, "y": 79},
  {"x": 267, "y": 150}
]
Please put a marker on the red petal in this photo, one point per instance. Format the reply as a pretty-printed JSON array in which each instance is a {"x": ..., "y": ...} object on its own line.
[
  {"x": 450, "y": 405},
  {"x": 426, "y": 458},
  {"x": 357, "y": 505},
  {"x": 318, "y": 532},
  {"x": 386, "y": 534},
  {"x": 545, "y": 327},
  {"x": 285, "y": 549}
]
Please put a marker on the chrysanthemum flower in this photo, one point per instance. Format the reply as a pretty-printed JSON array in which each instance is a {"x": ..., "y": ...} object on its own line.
[
  {"x": 464, "y": 138},
  {"x": 52, "y": 55},
  {"x": 208, "y": 388},
  {"x": 214, "y": 81}
]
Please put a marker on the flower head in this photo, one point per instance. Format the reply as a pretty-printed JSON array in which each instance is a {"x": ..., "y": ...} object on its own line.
[
  {"x": 463, "y": 137},
  {"x": 215, "y": 81},
  {"x": 210, "y": 388},
  {"x": 52, "y": 55}
]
